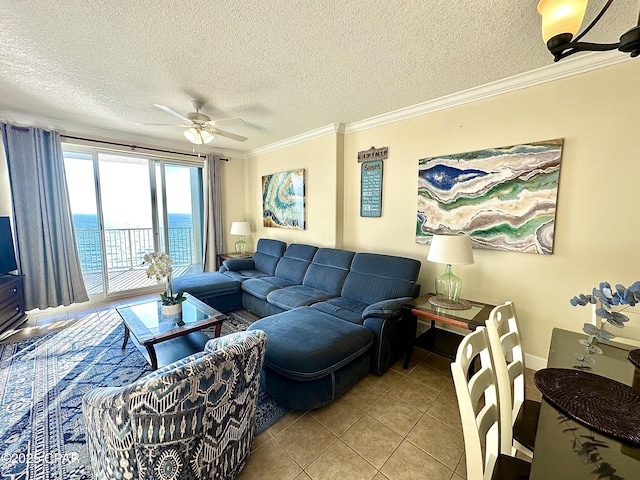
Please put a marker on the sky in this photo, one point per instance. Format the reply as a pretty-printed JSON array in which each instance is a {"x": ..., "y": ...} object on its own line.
[{"x": 125, "y": 188}]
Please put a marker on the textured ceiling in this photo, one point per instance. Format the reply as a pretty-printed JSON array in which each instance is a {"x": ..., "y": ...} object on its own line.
[{"x": 284, "y": 67}]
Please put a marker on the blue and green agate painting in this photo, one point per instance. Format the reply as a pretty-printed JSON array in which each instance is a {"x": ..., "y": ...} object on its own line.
[
  {"x": 283, "y": 200},
  {"x": 504, "y": 198}
]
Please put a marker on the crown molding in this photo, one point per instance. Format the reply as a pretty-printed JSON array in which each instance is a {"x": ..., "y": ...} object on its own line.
[
  {"x": 549, "y": 73},
  {"x": 330, "y": 129}
]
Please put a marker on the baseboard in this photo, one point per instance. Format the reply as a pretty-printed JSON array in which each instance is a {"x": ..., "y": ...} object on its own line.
[{"x": 535, "y": 363}]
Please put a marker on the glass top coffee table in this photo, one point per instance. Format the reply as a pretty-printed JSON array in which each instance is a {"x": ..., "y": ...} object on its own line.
[{"x": 149, "y": 327}]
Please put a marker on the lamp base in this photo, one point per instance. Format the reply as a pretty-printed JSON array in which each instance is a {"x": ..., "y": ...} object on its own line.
[
  {"x": 448, "y": 285},
  {"x": 241, "y": 246},
  {"x": 444, "y": 302}
]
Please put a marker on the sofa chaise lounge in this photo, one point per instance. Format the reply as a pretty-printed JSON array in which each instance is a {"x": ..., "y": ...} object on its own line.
[{"x": 330, "y": 315}]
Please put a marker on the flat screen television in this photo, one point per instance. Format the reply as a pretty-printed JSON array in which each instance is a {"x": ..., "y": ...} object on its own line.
[{"x": 7, "y": 254}]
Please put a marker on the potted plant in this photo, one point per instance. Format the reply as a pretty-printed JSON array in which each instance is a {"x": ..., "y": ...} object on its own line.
[
  {"x": 160, "y": 268},
  {"x": 609, "y": 299}
]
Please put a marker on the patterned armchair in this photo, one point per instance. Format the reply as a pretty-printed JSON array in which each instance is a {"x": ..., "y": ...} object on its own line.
[{"x": 193, "y": 419}]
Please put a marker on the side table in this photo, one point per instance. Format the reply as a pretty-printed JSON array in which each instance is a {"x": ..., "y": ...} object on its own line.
[{"x": 437, "y": 340}]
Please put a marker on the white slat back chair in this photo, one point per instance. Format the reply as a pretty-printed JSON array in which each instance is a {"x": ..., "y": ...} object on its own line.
[
  {"x": 518, "y": 416},
  {"x": 483, "y": 428},
  {"x": 630, "y": 334}
]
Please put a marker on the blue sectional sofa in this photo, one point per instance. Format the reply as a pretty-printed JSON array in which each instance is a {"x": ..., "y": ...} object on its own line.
[
  {"x": 222, "y": 289},
  {"x": 330, "y": 315}
]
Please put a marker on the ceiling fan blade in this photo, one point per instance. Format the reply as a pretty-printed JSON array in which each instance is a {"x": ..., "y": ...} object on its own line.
[
  {"x": 160, "y": 124},
  {"x": 228, "y": 122},
  {"x": 222, "y": 133},
  {"x": 172, "y": 112}
]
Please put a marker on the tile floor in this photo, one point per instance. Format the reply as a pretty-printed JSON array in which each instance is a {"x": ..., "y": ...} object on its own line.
[{"x": 401, "y": 425}]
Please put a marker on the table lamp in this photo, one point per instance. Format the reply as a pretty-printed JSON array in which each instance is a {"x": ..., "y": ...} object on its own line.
[
  {"x": 450, "y": 250},
  {"x": 240, "y": 228}
]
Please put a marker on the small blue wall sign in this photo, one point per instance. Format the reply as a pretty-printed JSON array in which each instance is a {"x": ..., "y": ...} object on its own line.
[{"x": 371, "y": 189}]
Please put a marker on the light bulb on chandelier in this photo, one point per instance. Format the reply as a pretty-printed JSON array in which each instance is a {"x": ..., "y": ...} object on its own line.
[{"x": 561, "y": 21}]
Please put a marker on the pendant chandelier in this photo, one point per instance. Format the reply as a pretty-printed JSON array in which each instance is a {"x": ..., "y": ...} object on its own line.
[{"x": 561, "y": 20}]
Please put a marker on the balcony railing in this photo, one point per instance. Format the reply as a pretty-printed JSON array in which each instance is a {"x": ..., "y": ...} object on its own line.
[{"x": 126, "y": 247}]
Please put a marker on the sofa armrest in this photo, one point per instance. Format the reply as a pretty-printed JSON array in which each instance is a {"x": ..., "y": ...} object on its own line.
[
  {"x": 236, "y": 264},
  {"x": 386, "y": 308}
]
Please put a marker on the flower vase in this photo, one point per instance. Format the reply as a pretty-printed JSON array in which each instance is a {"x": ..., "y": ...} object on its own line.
[{"x": 172, "y": 309}]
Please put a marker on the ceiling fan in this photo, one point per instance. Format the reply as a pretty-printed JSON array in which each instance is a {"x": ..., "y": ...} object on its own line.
[{"x": 201, "y": 129}]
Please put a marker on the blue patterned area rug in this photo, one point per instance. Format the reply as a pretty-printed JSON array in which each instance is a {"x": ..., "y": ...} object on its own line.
[{"x": 43, "y": 379}]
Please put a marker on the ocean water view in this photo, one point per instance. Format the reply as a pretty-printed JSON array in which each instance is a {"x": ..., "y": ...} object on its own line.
[{"x": 126, "y": 246}]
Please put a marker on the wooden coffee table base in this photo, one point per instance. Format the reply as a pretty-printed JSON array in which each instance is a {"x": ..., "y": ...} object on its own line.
[
  {"x": 151, "y": 351},
  {"x": 186, "y": 341},
  {"x": 167, "y": 339}
]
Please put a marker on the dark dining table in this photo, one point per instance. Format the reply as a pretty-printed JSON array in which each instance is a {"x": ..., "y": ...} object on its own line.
[{"x": 566, "y": 449}]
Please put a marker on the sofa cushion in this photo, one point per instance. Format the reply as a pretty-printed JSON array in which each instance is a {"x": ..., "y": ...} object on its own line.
[
  {"x": 206, "y": 285},
  {"x": 295, "y": 262},
  {"x": 374, "y": 277},
  {"x": 307, "y": 344},
  {"x": 344, "y": 308},
  {"x": 242, "y": 275},
  {"x": 290, "y": 271},
  {"x": 262, "y": 264},
  {"x": 328, "y": 270},
  {"x": 297, "y": 296},
  {"x": 268, "y": 254},
  {"x": 261, "y": 287}
]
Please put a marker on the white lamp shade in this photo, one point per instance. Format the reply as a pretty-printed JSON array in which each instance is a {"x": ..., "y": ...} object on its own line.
[
  {"x": 561, "y": 16},
  {"x": 198, "y": 136},
  {"x": 240, "y": 228},
  {"x": 451, "y": 249},
  {"x": 206, "y": 136},
  {"x": 193, "y": 136}
]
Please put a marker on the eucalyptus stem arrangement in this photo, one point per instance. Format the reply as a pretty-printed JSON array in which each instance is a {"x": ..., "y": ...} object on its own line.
[{"x": 609, "y": 299}]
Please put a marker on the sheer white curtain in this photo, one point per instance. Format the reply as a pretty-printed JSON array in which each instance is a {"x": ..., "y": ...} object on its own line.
[
  {"x": 45, "y": 243},
  {"x": 213, "y": 228}
]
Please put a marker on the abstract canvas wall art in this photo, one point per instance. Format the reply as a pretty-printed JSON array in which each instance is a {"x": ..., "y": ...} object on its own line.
[
  {"x": 283, "y": 200},
  {"x": 504, "y": 198}
]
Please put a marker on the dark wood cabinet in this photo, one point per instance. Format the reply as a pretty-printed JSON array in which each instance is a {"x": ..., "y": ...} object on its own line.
[{"x": 11, "y": 301}]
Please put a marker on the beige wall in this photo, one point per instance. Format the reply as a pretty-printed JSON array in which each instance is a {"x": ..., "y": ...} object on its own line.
[
  {"x": 232, "y": 174},
  {"x": 597, "y": 223},
  {"x": 320, "y": 158}
]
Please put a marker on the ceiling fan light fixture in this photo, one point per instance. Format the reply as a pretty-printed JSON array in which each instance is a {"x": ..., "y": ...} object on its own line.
[
  {"x": 199, "y": 129},
  {"x": 206, "y": 136},
  {"x": 193, "y": 135}
]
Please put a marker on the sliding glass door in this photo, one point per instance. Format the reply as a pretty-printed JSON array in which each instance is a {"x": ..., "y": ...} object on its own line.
[
  {"x": 80, "y": 172},
  {"x": 125, "y": 206},
  {"x": 181, "y": 227}
]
